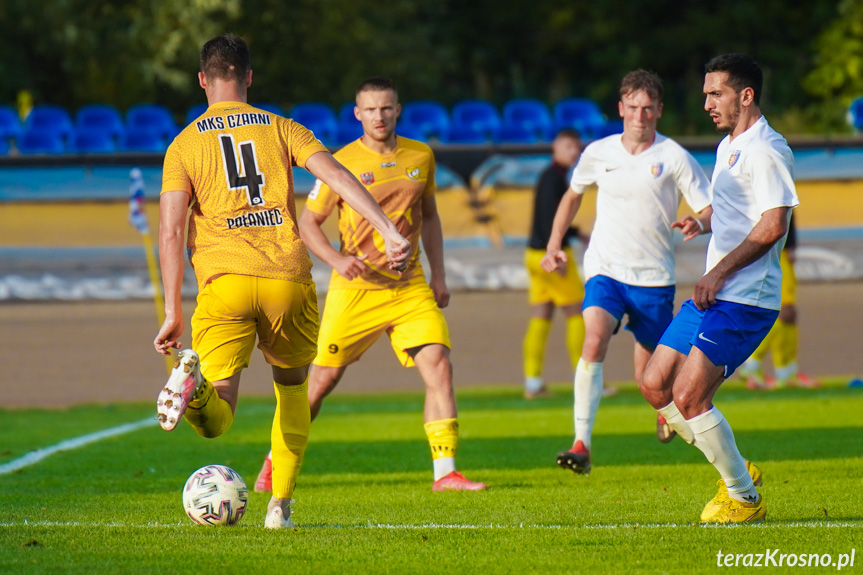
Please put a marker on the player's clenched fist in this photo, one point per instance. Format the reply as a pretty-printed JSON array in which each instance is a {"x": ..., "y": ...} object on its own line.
[
  {"x": 554, "y": 261},
  {"x": 398, "y": 251}
]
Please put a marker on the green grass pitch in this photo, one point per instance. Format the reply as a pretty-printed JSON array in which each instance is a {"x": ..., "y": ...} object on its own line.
[{"x": 364, "y": 500}]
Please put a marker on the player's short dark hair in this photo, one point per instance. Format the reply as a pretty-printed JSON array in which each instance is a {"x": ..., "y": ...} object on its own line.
[
  {"x": 642, "y": 81},
  {"x": 571, "y": 133},
  {"x": 742, "y": 70},
  {"x": 377, "y": 84},
  {"x": 226, "y": 57}
]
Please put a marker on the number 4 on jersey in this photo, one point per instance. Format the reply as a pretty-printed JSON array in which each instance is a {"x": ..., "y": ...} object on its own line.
[{"x": 248, "y": 177}]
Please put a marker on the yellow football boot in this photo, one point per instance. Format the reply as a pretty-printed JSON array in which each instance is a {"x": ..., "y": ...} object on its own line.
[
  {"x": 715, "y": 504},
  {"x": 733, "y": 511}
]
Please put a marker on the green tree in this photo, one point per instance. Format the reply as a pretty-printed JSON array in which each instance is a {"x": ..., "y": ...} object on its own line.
[{"x": 837, "y": 76}]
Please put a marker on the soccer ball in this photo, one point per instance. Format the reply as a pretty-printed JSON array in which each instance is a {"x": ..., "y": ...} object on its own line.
[{"x": 215, "y": 495}]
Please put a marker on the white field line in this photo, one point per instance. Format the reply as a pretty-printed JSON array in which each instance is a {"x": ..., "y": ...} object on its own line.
[
  {"x": 74, "y": 443},
  {"x": 455, "y": 526}
]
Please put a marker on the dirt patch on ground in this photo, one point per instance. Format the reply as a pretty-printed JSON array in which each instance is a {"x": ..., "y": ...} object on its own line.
[{"x": 58, "y": 354}]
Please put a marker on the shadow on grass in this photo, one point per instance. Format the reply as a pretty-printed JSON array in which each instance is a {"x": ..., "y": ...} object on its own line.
[{"x": 539, "y": 452}]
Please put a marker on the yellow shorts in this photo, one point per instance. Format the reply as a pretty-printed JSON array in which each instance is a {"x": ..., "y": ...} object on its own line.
[
  {"x": 551, "y": 287},
  {"x": 232, "y": 309},
  {"x": 789, "y": 280},
  {"x": 354, "y": 319}
]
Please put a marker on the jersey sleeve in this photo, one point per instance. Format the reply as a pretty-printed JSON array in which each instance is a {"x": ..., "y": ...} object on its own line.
[
  {"x": 431, "y": 185},
  {"x": 692, "y": 182},
  {"x": 322, "y": 199},
  {"x": 772, "y": 181},
  {"x": 175, "y": 178},
  {"x": 584, "y": 174},
  {"x": 304, "y": 144}
]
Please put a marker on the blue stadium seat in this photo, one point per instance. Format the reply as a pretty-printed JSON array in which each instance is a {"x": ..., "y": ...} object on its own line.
[
  {"x": 427, "y": 117},
  {"x": 530, "y": 114},
  {"x": 583, "y": 114},
  {"x": 347, "y": 132},
  {"x": 609, "y": 128},
  {"x": 517, "y": 134},
  {"x": 271, "y": 108},
  {"x": 472, "y": 116},
  {"x": 470, "y": 135},
  {"x": 36, "y": 141},
  {"x": 317, "y": 117},
  {"x": 195, "y": 111},
  {"x": 93, "y": 141},
  {"x": 48, "y": 118},
  {"x": 143, "y": 141},
  {"x": 346, "y": 113},
  {"x": 100, "y": 117},
  {"x": 406, "y": 130},
  {"x": 152, "y": 118},
  {"x": 10, "y": 124},
  {"x": 855, "y": 114},
  {"x": 4, "y": 148}
]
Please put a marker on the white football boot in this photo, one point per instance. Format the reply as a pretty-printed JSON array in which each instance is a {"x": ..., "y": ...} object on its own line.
[
  {"x": 276, "y": 518},
  {"x": 180, "y": 389}
]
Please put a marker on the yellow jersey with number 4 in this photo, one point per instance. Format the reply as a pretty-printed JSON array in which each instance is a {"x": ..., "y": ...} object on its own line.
[
  {"x": 235, "y": 162},
  {"x": 398, "y": 181}
]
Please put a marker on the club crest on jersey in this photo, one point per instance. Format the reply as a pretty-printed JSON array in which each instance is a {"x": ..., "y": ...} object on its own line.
[
  {"x": 413, "y": 173},
  {"x": 732, "y": 159},
  {"x": 367, "y": 178},
  {"x": 656, "y": 169}
]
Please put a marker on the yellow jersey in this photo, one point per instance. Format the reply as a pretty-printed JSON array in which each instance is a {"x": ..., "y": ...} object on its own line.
[
  {"x": 398, "y": 181},
  {"x": 235, "y": 162}
]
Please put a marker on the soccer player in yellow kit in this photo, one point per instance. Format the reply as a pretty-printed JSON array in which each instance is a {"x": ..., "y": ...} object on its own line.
[
  {"x": 365, "y": 298},
  {"x": 233, "y": 167}
]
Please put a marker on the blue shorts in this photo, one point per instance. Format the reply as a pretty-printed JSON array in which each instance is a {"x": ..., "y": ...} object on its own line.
[
  {"x": 650, "y": 309},
  {"x": 726, "y": 332}
]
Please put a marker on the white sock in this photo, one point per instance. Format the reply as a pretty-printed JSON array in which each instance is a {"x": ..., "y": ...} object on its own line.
[
  {"x": 533, "y": 383},
  {"x": 588, "y": 391},
  {"x": 750, "y": 367},
  {"x": 443, "y": 466},
  {"x": 677, "y": 422},
  {"x": 783, "y": 373},
  {"x": 713, "y": 436}
]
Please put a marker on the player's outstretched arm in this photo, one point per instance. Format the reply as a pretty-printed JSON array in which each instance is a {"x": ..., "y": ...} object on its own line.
[
  {"x": 323, "y": 166},
  {"x": 172, "y": 230},
  {"x": 692, "y": 227},
  {"x": 432, "y": 236},
  {"x": 770, "y": 229},
  {"x": 554, "y": 259}
]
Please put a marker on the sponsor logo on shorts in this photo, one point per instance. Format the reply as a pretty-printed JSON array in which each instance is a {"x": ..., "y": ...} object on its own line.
[
  {"x": 701, "y": 336},
  {"x": 389, "y": 164},
  {"x": 413, "y": 173},
  {"x": 367, "y": 178},
  {"x": 656, "y": 169},
  {"x": 732, "y": 159},
  {"x": 262, "y": 219}
]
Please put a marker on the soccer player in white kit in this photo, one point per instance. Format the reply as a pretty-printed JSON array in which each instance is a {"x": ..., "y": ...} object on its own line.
[
  {"x": 737, "y": 300},
  {"x": 629, "y": 263}
]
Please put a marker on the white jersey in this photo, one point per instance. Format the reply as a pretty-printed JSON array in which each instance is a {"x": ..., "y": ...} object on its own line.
[
  {"x": 637, "y": 202},
  {"x": 753, "y": 173}
]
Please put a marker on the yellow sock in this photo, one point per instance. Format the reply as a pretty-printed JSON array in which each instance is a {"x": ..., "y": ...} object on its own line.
[
  {"x": 289, "y": 436},
  {"x": 534, "y": 346},
  {"x": 209, "y": 414},
  {"x": 784, "y": 344},
  {"x": 575, "y": 338},
  {"x": 443, "y": 437}
]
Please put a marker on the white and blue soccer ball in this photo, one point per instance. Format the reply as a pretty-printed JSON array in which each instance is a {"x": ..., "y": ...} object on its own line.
[{"x": 215, "y": 495}]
